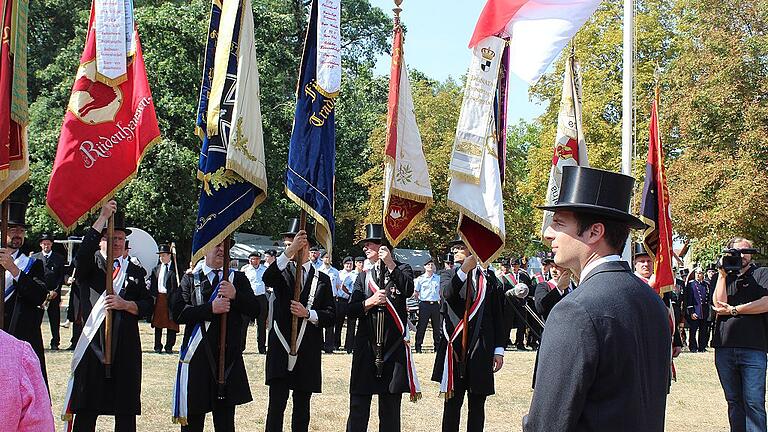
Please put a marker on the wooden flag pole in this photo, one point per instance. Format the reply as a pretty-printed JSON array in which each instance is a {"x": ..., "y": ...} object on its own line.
[
  {"x": 222, "y": 379},
  {"x": 109, "y": 273},
  {"x": 3, "y": 235},
  {"x": 297, "y": 285}
]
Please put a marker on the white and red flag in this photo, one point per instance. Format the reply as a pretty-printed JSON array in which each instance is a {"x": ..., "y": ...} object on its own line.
[
  {"x": 479, "y": 152},
  {"x": 110, "y": 120},
  {"x": 570, "y": 146},
  {"x": 538, "y": 30},
  {"x": 407, "y": 190}
]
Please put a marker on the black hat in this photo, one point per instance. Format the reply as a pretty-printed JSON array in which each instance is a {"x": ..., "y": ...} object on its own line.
[
  {"x": 314, "y": 249},
  {"x": 516, "y": 261},
  {"x": 589, "y": 190},
  {"x": 347, "y": 259},
  {"x": 448, "y": 258},
  {"x": 711, "y": 266},
  {"x": 292, "y": 228},
  {"x": 254, "y": 254},
  {"x": 270, "y": 252},
  {"x": 359, "y": 259},
  {"x": 16, "y": 213},
  {"x": 638, "y": 249},
  {"x": 549, "y": 258},
  {"x": 374, "y": 233},
  {"x": 46, "y": 236},
  {"x": 163, "y": 248},
  {"x": 456, "y": 241},
  {"x": 119, "y": 224}
]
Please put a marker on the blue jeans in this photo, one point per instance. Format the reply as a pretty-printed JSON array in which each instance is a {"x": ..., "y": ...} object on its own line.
[{"x": 742, "y": 375}]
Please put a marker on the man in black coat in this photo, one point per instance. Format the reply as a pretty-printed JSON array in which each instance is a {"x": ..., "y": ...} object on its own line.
[
  {"x": 698, "y": 307},
  {"x": 315, "y": 310},
  {"x": 94, "y": 394},
  {"x": 25, "y": 289},
  {"x": 370, "y": 302},
  {"x": 205, "y": 294},
  {"x": 514, "y": 309},
  {"x": 163, "y": 282},
  {"x": 54, "y": 264},
  {"x": 473, "y": 365},
  {"x": 550, "y": 292},
  {"x": 604, "y": 358}
]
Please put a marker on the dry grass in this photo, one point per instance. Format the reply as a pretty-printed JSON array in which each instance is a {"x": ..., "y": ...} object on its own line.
[{"x": 697, "y": 395}]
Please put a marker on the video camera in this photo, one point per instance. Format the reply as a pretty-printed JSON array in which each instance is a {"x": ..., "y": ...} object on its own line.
[{"x": 731, "y": 259}]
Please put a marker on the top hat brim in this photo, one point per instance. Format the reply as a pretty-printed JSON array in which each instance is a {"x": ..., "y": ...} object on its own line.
[
  {"x": 608, "y": 212},
  {"x": 378, "y": 240}
]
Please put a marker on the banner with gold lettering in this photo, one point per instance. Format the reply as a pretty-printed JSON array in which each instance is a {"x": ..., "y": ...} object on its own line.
[
  {"x": 309, "y": 179},
  {"x": 107, "y": 127}
]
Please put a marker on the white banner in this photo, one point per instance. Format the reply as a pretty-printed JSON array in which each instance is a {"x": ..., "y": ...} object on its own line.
[
  {"x": 113, "y": 39},
  {"x": 329, "y": 45}
]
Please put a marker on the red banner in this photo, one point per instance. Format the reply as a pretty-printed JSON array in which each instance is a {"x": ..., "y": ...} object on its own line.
[{"x": 105, "y": 133}]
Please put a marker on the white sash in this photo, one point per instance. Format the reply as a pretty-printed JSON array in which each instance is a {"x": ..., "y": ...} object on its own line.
[{"x": 310, "y": 300}]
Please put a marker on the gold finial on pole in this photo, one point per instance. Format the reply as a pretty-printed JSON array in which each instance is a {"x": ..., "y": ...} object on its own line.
[{"x": 397, "y": 9}]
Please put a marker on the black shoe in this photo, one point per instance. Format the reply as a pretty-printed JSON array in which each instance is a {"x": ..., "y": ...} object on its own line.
[
  {"x": 418, "y": 350},
  {"x": 521, "y": 347},
  {"x": 169, "y": 350},
  {"x": 54, "y": 347},
  {"x": 158, "y": 351}
]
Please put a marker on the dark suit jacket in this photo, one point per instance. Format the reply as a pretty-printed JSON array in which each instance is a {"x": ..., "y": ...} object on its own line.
[
  {"x": 122, "y": 393},
  {"x": 486, "y": 332},
  {"x": 203, "y": 368},
  {"x": 22, "y": 316},
  {"x": 307, "y": 373},
  {"x": 603, "y": 363},
  {"x": 546, "y": 298},
  {"x": 394, "y": 378},
  {"x": 54, "y": 272},
  {"x": 690, "y": 300}
]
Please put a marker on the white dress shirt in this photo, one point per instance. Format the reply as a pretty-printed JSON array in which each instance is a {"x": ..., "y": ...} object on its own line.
[{"x": 282, "y": 262}]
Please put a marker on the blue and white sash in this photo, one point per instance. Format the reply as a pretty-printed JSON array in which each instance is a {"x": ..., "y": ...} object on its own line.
[
  {"x": 181, "y": 387},
  {"x": 25, "y": 264}
]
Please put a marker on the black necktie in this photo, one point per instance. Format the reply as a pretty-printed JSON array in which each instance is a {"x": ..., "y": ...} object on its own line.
[{"x": 216, "y": 278}]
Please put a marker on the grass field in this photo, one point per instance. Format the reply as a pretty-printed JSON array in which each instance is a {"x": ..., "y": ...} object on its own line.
[{"x": 696, "y": 402}]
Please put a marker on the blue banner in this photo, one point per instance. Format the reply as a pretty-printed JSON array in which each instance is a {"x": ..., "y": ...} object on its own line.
[
  {"x": 229, "y": 194},
  {"x": 309, "y": 179}
]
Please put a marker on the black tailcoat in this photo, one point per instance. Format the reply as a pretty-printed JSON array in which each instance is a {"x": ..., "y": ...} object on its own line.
[
  {"x": 604, "y": 358},
  {"x": 483, "y": 340},
  {"x": 203, "y": 368},
  {"x": 122, "y": 393},
  {"x": 22, "y": 316},
  {"x": 307, "y": 373},
  {"x": 394, "y": 378}
]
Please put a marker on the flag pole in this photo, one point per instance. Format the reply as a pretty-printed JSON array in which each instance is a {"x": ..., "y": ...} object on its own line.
[
  {"x": 3, "y": 234},
  {"x": 627, "y": 100},
  {"x": 222, "y": 379},
  {"x": 298, "y": 279},
  {"x": 175, "y": 264},
  {"x": 109, "y": 284}
]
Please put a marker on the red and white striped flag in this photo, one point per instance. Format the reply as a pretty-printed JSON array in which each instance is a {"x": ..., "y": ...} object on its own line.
[
  {"x": 570, "y": 146},
  {"x": 538, "y": 30},
  {"x": 407, "y": 190}
]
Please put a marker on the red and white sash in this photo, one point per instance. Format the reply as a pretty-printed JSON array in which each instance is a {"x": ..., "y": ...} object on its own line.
[
  {"x": 446, "y": 383},
  {"x": 413, "y": 380}
]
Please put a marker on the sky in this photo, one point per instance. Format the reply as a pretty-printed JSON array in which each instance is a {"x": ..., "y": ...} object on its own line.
[{"x": 436, "y": 44}]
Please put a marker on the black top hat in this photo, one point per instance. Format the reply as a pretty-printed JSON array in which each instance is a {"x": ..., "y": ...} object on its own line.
[
  {"x": 711, "y": 267},
  {"x": 254, "y": 254},
  {"x": 638, "y": 249},
  {"x": 294, "y": 227},
  {"x": 374, "y": 233},
  {"x": 46, "y": 236},
  {"x": 448, "y": 258},
  {"x": 119, "y": 224},
  {"x": 594, "y": 191},
  {"x": 549, "y": 258},
  {"x": 456, "y": 241},
  {"x": 347, "y": 259},
  {"x": 359, "y": 259},
  {"x": 163, "y": 248},
  {"x": 16, "y": 213}
]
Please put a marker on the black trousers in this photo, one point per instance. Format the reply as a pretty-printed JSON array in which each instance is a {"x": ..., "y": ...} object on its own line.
[
  {"x": 349, "y": 342},
  {"x": 360, "y": 411},
  {"x": 54, "y": 319},
  {"x": 342, "y": 305},
  {"x": 261, "y": 323},
  {"x": 77, "y": 329},
  {"x": 86, "y": 422},
  {"x": 170, "y": 339},
  {"x": 223, "y": 420},
  {"x": 698, "y": 342},
  {"x": 452, "y": 409},
  {"x": 428, "y": 311},
  {"x": 278, "y": 400}
]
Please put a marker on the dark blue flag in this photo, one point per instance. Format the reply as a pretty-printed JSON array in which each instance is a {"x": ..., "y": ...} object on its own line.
[
  {"x": 309, "y": 179},
  {"x": 231, "y": 164}
]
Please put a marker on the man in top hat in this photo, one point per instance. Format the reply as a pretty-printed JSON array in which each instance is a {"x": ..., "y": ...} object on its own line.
[
  {"x": 53, "y": 263},
  {"x": 94, "y": 394},
  {"x": 427, "y": 291},
  {"x": 555, "y": 288},
  {"x": 254, "y": 270},
  {"x": 604, "y": 358},
  {"x": 347, "y": 276},
  {"x": 302, "y": 373},
  {"x": 381, "y": 362},
  {"x": 205, "y": 294},
  {"x": 163, "y": 283},
  {"x": 25, "y": 288}
]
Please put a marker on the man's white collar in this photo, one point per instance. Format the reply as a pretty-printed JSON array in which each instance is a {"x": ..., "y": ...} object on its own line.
[{"x": 589, "y": 267}]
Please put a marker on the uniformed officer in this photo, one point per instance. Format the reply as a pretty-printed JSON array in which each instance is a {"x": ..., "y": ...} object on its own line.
[{"x": 427, "y": 291}]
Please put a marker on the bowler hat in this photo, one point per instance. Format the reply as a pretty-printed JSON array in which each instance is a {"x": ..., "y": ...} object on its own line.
[
  {"x": 163, "y": 248},
  {"x": 638, "y": 249},
  {"x": 374, "y": 233},
  {"x": 598, "y": 192},
  {"x": 16, "y": 213}
]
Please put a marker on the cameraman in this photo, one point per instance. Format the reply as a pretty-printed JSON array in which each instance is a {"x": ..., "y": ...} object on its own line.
[{"x": 741, "y": 338}]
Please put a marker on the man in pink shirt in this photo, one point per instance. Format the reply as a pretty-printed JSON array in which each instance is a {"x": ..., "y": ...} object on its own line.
[{"x": 26, "y": 405}]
